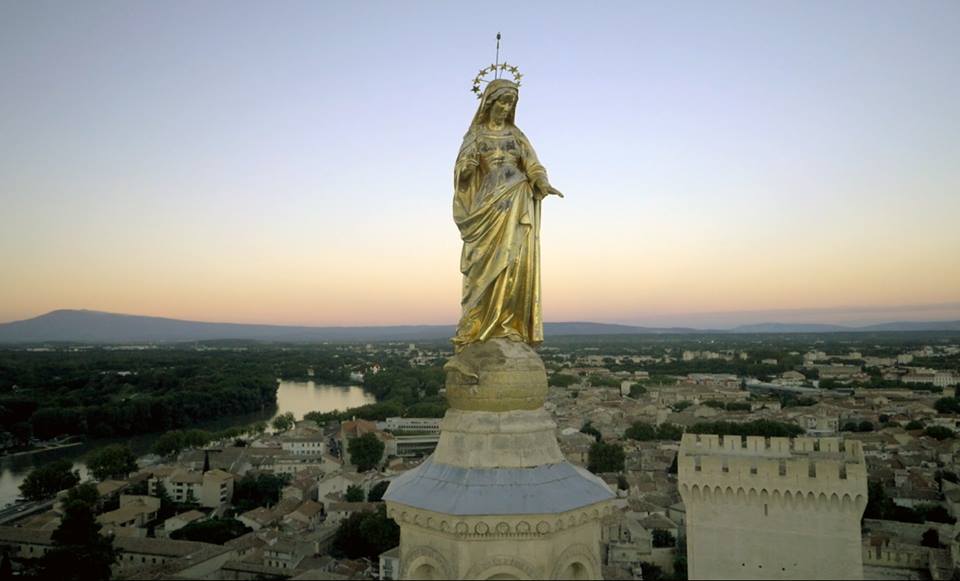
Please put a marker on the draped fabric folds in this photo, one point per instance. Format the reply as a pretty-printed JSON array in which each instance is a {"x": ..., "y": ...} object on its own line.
[{"x": 498, "y": 215}]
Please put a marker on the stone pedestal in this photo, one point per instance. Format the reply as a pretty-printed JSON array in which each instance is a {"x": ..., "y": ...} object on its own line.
[{"x": 497, "y": 500}]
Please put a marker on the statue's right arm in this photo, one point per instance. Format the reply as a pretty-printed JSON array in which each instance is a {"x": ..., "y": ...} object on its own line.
[
  {"x": 467, "y": 164},
  {"x": 466, "y": 173}
]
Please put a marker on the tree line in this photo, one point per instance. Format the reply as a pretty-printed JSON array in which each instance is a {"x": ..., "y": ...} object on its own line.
[{"x": 112, "y": 393}]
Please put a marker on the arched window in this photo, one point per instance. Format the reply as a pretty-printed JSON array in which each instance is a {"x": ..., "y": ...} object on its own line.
[
  {"x": 576, "y": 570},
  {"x": 425, "y": 571}
]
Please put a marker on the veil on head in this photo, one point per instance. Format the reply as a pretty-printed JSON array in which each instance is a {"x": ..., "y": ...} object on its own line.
[{"x": 491, "y": 93}]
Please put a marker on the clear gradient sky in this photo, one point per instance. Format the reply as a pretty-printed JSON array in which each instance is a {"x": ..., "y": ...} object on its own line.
[{"x": 291, "y": 162}]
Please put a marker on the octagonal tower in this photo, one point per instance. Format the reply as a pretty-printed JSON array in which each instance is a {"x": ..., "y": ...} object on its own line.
[{"x": 497, "y": 499}]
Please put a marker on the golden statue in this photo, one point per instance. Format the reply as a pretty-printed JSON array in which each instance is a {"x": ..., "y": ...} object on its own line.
[{"x": 499, "y": 185}]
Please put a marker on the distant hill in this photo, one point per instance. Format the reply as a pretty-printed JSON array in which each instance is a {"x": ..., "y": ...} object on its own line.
[
  {"x": 826, "y": 328},
  {"x": 915, "y": 326},
  {"x": 790, "y": 328},
  {"x": 98, "y": 327}
]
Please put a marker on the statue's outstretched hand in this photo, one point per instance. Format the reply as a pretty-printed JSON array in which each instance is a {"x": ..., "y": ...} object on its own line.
[{"x": 544, "y": 189}]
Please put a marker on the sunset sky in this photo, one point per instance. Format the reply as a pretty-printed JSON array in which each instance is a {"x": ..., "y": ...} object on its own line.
[{"x": 291, "y": 162}]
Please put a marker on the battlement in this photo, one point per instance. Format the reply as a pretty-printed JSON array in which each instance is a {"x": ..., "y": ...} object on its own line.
[
  {"x": 775, "y": 464},
  {"x": 761, "y": 508},
  {"x": 704, "y": 444}
]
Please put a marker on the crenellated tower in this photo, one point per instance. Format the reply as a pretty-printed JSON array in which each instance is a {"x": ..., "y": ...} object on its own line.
[{"x": 776, "y": 508}]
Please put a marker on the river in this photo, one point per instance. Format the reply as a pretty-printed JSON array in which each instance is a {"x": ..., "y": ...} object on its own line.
[{"x": 298, "y": 397}]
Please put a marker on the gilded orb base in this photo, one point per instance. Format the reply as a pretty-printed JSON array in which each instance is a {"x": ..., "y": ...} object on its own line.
[{"x": 498, "y": 375}]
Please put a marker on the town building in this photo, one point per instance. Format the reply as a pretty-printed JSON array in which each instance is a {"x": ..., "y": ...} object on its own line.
[{"x": 210, "y": 489}]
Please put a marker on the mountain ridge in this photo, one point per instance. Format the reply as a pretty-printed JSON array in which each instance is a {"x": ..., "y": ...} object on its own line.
[{"x": 87, "y": 326}]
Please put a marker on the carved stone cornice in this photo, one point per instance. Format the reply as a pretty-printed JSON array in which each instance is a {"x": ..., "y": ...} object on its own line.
[{"x": 496, "y": 526}]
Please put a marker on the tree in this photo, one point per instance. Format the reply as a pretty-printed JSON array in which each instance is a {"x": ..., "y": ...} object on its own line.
[
  {"x": 78, "y": 540},
  {"x": 591, "y": 431},
  {"x": 681, "y": 405},
  {"x": 6, "y": 568},
  {"x": 168, "y": 508},
  {"x": 663, "y": 538},
  {"x": 604, "y": 457},
  {"x": 427, "y": 409},
  {"x": 22, "y": 432},
  {"x": 641, "y": 431},
  {"x": 600, "y": 381},
  {"x": 939, "y": 432},
  {"x": 114, "y": 461},
  {"x": 366, "y": 451},
  {"x": 253, "y": 491},
  {"x": 365, "y": 534},
  {"x": 283, "y": 422},
  {"x": 913, "y": 425},
  {"x": 878, "y": 503},
  {"x": 85, "y": 493},
  {"x": 217, "y": 531},
  {"x": 680, "y": 560},
  {"x": 931, "y": 538},
  {"x": 48, "y": 480},
  {"x": 636, "y": 390},
  {"x": 196, "y": 438},
  {"x": 904, "y": 514},
  {"x": 651, "y": 572},
  {"x": 561, "y": 380},
  {"x": 377, "y": 491},
  {"x": 947, "y": 405},
  {"x": 947, "y": 475},
  {"x": 865, "y": 426},
  {"x": 169, "y": 444},
  {"x": 935, "y": 513},
  {"x": 669, "y": 432},
  {"x": 881, "y": 506},
  {"x": 354, "y": 493}
]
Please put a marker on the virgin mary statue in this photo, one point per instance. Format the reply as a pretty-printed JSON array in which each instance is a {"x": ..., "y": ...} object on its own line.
[{"x": 499, "y": 185}]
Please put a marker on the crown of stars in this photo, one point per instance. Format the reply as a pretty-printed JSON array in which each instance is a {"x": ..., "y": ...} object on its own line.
[{"x": 503, "y": 68}]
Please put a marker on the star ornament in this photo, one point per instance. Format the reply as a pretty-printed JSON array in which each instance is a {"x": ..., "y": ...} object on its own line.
[{"x": 504, "y": 67}]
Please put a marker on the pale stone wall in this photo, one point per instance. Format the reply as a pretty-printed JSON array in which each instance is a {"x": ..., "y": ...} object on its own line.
[
  {"x": 772, "y": 509},
  {"x": 480, "y": 439}
]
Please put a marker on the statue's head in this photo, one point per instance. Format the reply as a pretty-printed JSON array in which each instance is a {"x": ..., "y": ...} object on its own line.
[{"x": 498, "y": 102}]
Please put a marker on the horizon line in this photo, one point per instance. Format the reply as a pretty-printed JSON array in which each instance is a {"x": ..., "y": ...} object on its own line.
[{"x": 602, "y": 321}]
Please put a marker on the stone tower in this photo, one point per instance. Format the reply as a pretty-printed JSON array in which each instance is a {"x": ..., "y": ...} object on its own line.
[
  {"x": 772, "y": 509},
  {"x": 497, "y": 499}
]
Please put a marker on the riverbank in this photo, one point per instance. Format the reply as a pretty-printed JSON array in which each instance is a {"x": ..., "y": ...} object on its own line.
[
  {"x": 292, "y": 396},
  {"x": 41, "y": 450}
]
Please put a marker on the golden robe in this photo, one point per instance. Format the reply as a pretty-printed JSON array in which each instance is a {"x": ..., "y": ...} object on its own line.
[{"x": 498, "y": 215}]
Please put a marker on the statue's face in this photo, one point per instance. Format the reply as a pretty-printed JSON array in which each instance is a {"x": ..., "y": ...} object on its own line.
[{"x": 502, "y": 107}]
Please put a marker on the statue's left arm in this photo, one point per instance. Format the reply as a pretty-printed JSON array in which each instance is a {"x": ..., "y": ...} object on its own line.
[{"x": 536, "y": 173}]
